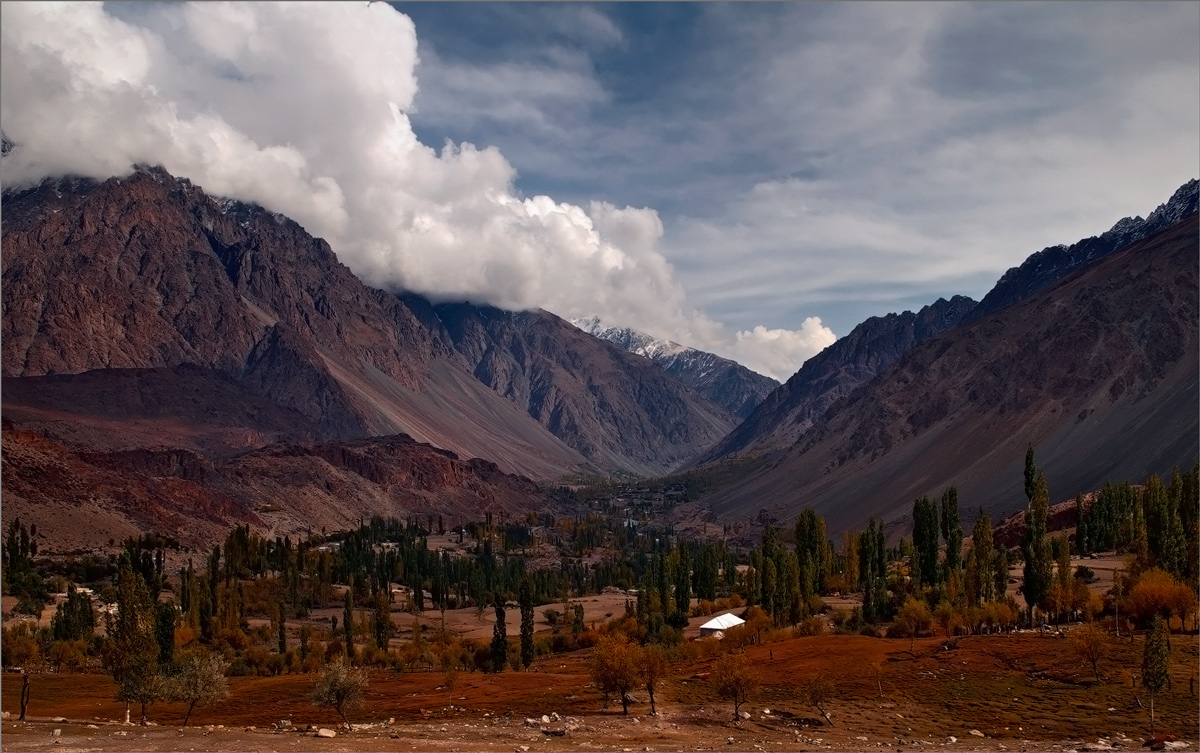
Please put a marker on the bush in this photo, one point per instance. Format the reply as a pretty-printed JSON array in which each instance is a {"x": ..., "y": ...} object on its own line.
[{"x": 809, "y": 626}]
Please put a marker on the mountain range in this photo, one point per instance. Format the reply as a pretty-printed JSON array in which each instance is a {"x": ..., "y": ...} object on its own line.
[{"x": 175, "y": 360}]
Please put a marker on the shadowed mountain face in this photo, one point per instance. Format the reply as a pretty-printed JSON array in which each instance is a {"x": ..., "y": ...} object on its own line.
[
  {"x": 727, "y": 383},
  {"x": 789, "y": 411},
  {"x": 147, "y": 272},
  {"x": 1101, "y": 371}
]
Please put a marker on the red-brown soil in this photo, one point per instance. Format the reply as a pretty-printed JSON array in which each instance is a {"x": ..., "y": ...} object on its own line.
[{"x": 1022, "y": 691}]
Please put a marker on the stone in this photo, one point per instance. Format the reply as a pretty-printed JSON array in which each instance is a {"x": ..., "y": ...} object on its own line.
[
  {"x": 744, "y": 714},
  {"x": 545, "y": 719},
  {"x": 283, "y": 724},
  {"x": 56, "y": 733},
  {"x": 326, "y": 732},
  {"x": 951, "y": 739},
  {"x": 975, "y": 733},
  {"x": 531, "y": 722},
  {"x": 730, "y": 741},
  {"x": 1175, "y": 745},
  {"x": 58, "y": 719}
]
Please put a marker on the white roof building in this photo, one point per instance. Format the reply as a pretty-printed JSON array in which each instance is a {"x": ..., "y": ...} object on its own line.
[{"x": 717, "y": 626}]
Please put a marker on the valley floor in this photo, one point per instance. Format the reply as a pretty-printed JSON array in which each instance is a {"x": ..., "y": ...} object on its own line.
[{"x": 1021, "y": 692}]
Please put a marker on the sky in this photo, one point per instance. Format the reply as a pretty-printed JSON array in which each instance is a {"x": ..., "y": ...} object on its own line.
[{"x": 750, "y": 179}]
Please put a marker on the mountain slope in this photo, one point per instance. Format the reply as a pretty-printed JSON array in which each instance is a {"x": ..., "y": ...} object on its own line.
[
  {"x": 789, "y": 411},
  {"x": 619, "y": 410},
  {"x": 1101, "y": 371},
  {"x": 727, "y": 383},
  {"x": 147, "y": 271}
]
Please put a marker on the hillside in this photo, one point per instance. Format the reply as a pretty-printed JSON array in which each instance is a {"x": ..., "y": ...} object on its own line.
[
  {"x": 789, "y": 411},
  {"x": 1100, "y": 371}
]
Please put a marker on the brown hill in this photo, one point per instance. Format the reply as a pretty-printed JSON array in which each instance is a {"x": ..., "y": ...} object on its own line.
[
  {"x": 1100, "y": 371},
  {"x": 80, "y": 500},
  {"x": 149, "y": 272}
]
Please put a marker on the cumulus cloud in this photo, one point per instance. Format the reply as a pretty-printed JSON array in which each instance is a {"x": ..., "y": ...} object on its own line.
[{"x": 304, "y": 109}]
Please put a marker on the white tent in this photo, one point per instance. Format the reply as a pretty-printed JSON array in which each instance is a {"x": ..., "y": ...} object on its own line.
[{"x": 717, "y": 626}]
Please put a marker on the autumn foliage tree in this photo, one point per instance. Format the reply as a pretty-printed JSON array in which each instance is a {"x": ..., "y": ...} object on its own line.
[
  {"x": 340, "y": 687},
  {"x": 616, "y": 667},
  {"x": 735, "y": 679}
]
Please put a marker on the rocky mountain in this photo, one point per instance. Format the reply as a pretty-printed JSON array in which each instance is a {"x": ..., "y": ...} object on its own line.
[
  {"x": 727, "y": 383},
  {"x": 789, "y": 411},
  {"x": 1056, "y": 262},
  {"x": 148, "y": 272},
  {"x": 1101, "y": 371}
]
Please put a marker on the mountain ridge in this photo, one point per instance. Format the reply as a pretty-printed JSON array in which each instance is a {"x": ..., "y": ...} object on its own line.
[{"x": 729, "y": 384}]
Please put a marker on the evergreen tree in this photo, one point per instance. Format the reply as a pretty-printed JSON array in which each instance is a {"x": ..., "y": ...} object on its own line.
[
  {"x": 526, "y": 601},
  {"x": 1038, "y": 572}
]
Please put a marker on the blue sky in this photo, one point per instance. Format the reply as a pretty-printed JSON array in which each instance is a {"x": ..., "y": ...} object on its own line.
[
  {"x": 838, "y": 160},
  {"x": 752, "y": 179}
]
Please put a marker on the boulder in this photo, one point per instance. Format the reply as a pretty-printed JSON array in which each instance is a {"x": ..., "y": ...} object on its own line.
[{"x": 326, "y": 732}]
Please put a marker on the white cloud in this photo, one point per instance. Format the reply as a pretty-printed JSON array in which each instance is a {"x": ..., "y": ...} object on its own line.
[
  {"x": 304, "y": 108},
  {"x": 775, "y": 352}
]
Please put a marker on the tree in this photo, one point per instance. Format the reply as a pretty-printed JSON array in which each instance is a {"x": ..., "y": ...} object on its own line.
[
  {"x": 165, "y": 615},
  {"x": 75, "y": 620},
  {"x": 341, "y": 687},
  {"x": 981, "y": 580},
  {"x": 616, "y": 667},
  {"x": 952, "y": 530},
  {"x": 348, "y": 622},
  {"x": 1154, "y": 663},
  {"x": 819, "y": 691},
  {"x": 925, "y": 541},
  {"x": 382, "y": 620},
  {"x": 1038, "y": 572},
  {"x": 499, "y": 636},
  {"x": 526, "y": 601},
  {"x": 654, "y": 669},
  {"x": 200, "y": 680},
  {"x": 1031, "y": 473},
  {"x": 735, "y": 680},
  {"x": 1091, "y": 643},
  {"x": 912, "y": 618},
  {"x": 131, "y": 653}
]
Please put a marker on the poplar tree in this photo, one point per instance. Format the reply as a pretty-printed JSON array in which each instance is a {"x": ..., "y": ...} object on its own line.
[
  {"x": 925, "y": 541},
  {"x": 983, "y": 557},
  {"x": 952, "y": 530},
  {"x": 526, "y": 601},
  {"x": 1031, "y": 473},
  {"x": 499, "y": 636},
  {"x": 1155, "y": 667},
  {"x": 1038, "y": 572}
]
